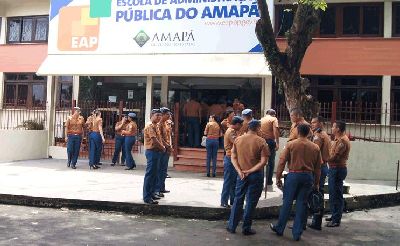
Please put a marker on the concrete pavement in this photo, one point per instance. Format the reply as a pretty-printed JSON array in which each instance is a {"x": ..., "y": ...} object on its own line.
[{"x": 22, "y": 182}]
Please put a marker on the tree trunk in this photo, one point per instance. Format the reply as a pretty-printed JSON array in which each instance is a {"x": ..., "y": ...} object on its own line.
[{"x": 285, "y": 66}]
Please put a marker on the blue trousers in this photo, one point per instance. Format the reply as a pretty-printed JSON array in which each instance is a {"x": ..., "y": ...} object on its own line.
[
  {"x": 193, "y": 129},
  {"x": 271, "y": 160},
  {"x": 230, "y": 176},
  {"x": 297, "y": 187},
  {"x": 335, "y": 184},
  {"x": 317, "y": 218},
  {"x": 119, "y": 146},
  {"x": 150, "y": 177},
  {"x": 95, "y": 148},
  {"x": 129, "y": 142},
  {"x": 251, "y": 188},
  {"x": 212, "y": 152},
  {"x": 162, "y": 172},
  {"x": 73, "y": 147}
]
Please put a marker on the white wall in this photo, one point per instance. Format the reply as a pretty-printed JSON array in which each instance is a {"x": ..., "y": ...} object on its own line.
[
  {"x": 25, "y": 7},
  {"x": 368, "y": 160},
  {"x": 22, "y": 145}
]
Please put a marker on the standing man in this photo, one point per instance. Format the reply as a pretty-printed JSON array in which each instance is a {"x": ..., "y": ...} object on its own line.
[
  {"x": 73, "y": 132},
  {"x": 129, "y": 134},
  {"x": 296, "y": 117},
  {"x": 154, "y": 148},
  {"x": 247, "y": 115},
  {"x": 322, "y": 139},
  {"x": 192, "y": 112},
  {"x": 339, "y": 154},
  {"x": 249, "y": 156},
  {"x": 166, "y": 135},
  {"x": 230, "y": 174},
  {"x": 270, "y": 132},
  {"x": 238, "y": 107},
  {"x": 304, "y": 163},
  {"x": 119, "y": 140}
]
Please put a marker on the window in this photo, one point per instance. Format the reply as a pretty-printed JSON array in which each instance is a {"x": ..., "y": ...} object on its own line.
[
  {"x": 285, "y": 18},
  {"x": 328, "y": 22},
  {"x": 396, "y": 19},
  {"x": 25, "y": 90},
  {"x": 351, "y": 20},
  {"x": 30, "y": 29},
  {"x": 64, "y": 95},
  {"x": 358, "y": 98},
  {"x": 395, "y": 101},
  {"x": 341, "y": 19}
]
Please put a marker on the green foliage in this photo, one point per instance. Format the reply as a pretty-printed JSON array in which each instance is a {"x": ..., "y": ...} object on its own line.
[
  {"x": 317, "y": 4},
  {"x": 33, "y": 125},
  {"x": 87, "y": 87}
]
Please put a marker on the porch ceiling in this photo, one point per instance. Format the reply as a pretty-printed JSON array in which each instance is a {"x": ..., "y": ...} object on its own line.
[{"x": 209, "y": 65}]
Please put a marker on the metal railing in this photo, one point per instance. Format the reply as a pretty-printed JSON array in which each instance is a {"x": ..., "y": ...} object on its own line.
[{"x": 22, "y": 118}]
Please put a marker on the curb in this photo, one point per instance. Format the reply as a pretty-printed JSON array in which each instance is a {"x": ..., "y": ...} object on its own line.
[{"x": 204, "y": 213}]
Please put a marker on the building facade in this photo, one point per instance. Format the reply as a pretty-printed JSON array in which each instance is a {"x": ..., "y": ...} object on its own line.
[{"x": 354, "y": 58}]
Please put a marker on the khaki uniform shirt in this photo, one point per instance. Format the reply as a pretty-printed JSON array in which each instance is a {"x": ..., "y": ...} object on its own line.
[
  {"x": 152, "y": 131},
  {"x": 339, "y": 152},
  {"x": 225, "y": 125},
  {"x": 75, "y": 125},
  {"x": 248, "y": 150},
  {"x": 192, "y": 109},
  {"x": 268, "y": 124},
  {"x": 119, "y": 123},
  {"x": 96, "y": 124},
  {"x": 322, "y": 139},
  {"x": 293, "y": 130},
  {"x": 245, "y": 127},
  {"x": 212, "y": 130},
  {"x": 89, "y": 123},
  {"x": 229, "y": 139},
  {"x": 301, "y": 155},
  {"x": 130, "y": 129},
  {"x": 165, "y": 131}
]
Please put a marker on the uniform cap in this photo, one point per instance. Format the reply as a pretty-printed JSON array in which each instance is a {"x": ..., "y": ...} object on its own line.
[
  {"x": 271, "y": 112},
  {"x": 132, "y": 115},
  {"x": 247, "y": 111},
  {"x": 254, "y": 124},
  {"x": 165, "y": 110},
  {"x": 156, "y": 111},
  {"x": 77, "y": 108},
  {"x": 236, "y": 120}
]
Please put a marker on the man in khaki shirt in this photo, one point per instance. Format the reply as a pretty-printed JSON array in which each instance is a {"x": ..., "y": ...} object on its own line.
[
  {"x": 270, "y": 132},
  {"x": 249, "y": 156},
  {"x": 247, "y": 115},
  {"x": 230, "y": 174},
  {"x": 192, "y": 112},
  {"x": 304, "y": 162},
  {"x": 339, "y": 154},
  {"x": 296, "y": 117},
  {"x": 154, "y": 148},
  {"x": 322, "y": 139}
]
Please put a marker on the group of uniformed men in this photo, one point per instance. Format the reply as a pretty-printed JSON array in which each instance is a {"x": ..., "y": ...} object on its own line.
[
  {"x": 250, "y": 144},
  {"x": 125, "y": 138}
]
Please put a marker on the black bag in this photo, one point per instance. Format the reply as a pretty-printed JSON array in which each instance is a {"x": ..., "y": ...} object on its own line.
[{"x": 315, "y": 201}]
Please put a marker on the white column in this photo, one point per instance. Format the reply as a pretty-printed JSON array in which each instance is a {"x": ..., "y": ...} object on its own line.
[
  {"x": 164, "y": 91},
  {"x": 2, "y": 88},
  {"x": 149, "y": 98},
  {"x": 3, "y": 28},
  {"x": 75, "y": 89},
  {"x": 387, "y": 23},
  {"x": 50, "y": 108},
  {"x": 386, "y": 86},
  {"x": 267, "y": 93}
]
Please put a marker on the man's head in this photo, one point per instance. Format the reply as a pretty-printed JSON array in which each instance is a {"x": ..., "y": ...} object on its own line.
[
  {"x": 339, "y": 127},
  {"x": 131, "y": 116},
  {"x": 270, "y": 112},
  {"x": 317, "y": 122},
  {"x": 254, "y": 125},
  {"x": 166, "y": 112},
  {"x": 77, "y": 111},
  {"x": 303, "y": 130},
  {"x": 236, "y": 122},
  {"x": 295, "y": 115},
  {"x": 229, "y": 113},
  {"x": 155, "y": 115},
  {"x": 96, "y": 113},
  {"x": 247, "y": 114}
]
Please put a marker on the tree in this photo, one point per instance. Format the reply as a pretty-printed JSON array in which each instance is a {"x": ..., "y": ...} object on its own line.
[{"x": 285, "y": 66}]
